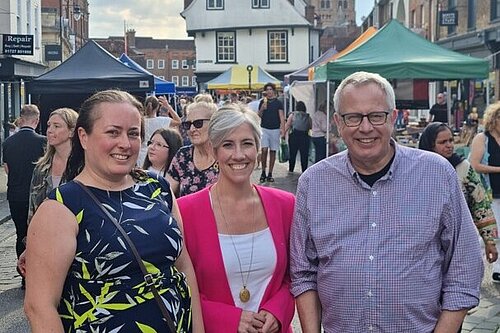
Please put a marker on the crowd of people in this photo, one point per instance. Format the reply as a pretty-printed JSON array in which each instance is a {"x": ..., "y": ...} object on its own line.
[{"x": 142, "y": 219}]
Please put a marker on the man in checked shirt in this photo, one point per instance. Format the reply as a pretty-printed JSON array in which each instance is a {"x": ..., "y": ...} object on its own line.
[{"x": 382, "y": 239}]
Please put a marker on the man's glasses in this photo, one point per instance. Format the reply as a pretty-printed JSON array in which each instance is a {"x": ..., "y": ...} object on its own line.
[
  {"x": 198, "y": 123},
  {"x": 157, "y": 144},
  {"x": 375, "y": 118}
]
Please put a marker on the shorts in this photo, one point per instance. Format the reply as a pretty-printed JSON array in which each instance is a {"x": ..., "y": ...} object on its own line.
[{"x": 270, "y": 139}]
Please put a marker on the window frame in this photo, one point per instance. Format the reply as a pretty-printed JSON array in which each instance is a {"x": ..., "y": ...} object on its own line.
[
  {"x": 193, "y": 81},
  {"x": 175, "y": 79},
  {"x": 495, "y": 10},
  {"x": 217, "y": 48},
  {"x": 257, "y": 4},
  {"x": 184, "y": 81},
  {"x": 273, "y": 61},
  {"x": 184, "y": 64},
  {"x": 150, "y": 64},
  {"x": 175, "y": 64},
  {"x": 213, "y": 5},
  {"x": 161, "y": 64}
]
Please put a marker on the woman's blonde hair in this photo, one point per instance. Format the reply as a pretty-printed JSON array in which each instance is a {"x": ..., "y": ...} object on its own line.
[
  {"x": 490, "y": 115},
  {"x": 69, "y": 116}
]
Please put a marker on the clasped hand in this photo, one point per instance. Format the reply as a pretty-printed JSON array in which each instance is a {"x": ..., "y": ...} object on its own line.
[{"x": 262, "y": 322}]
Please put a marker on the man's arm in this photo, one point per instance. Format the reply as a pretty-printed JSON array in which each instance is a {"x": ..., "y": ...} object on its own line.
[
  {"x": 309, "y": 309},
  {"x": 450, "y": 321}
]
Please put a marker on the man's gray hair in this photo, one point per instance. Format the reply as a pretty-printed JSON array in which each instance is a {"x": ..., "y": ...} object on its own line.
[
  {"x": 230, "y": 117},
  {"x": 363, "y": 78},
  {"x": 30, "y": 111}
]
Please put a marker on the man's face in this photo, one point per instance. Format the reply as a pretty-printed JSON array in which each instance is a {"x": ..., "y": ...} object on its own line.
[
  {"x": 368, "y": 145},
  {"x": 270, "y": 92},
  {"x": 441, "y": 99}
]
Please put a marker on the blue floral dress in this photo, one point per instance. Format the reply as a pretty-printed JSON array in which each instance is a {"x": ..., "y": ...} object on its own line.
[
  {"x": 104, "y": 290},
  {"x": 190, "y": 179}
]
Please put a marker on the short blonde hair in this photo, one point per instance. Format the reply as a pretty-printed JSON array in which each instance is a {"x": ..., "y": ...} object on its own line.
[{"x": 490, "y": 115}]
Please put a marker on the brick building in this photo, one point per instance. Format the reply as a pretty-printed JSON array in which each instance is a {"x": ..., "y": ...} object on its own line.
[{"x": 170, "y": 59}]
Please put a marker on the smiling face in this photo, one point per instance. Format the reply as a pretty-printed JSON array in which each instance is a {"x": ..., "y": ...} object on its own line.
[
  {"x": 112, "y": 147},
  {"x": 198, "y": 136},
  {"x": 237, "y": 154},
  {"x": 368, "y": 145},
  {"x": 444, "y": 143},
  {"x": 158, "y": 152},
  {"x": 58, "y": 131}
]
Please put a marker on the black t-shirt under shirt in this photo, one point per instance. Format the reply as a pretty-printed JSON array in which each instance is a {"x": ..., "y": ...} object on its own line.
[
  {"x": 371, "y": 179},
  {"x": 271, "y": 116}
]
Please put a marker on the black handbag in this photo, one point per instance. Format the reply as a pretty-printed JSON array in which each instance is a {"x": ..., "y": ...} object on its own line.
[{"x": 148, "y": 278}]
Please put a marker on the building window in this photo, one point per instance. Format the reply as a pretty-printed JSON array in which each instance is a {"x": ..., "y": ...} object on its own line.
[
  {"x": 495, "y": 9},
  {"x": 422, "y": 16},
  {"x": 185, "y": 81},
  {"x": 150, "y": 64},
  {"x": 193, "y": 81},
  {"x": 260, "y": 3},
  {"x": 215, "y": 4},
  {"x": 175, "y": 64},
  {"x": 193, "y": 64},
  {"x": 471, "y": 14},
  {"x": 226, "y": 46},
  {"x": 161, "y": 64},
  {"x": 277, "y": 46},
  {"x": 175, "y": 79},
  {"x": 185, "y": 64},
  {"x": 325, "y": 4}
]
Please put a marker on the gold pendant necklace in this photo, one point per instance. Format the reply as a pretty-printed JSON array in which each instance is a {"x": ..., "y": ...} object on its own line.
[{"x": 244, "y": 292}]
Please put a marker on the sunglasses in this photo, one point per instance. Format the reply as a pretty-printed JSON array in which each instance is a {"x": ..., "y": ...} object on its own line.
[{"x": 198, "y": 123}]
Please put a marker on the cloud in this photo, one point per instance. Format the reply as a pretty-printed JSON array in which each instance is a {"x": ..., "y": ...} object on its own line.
[{"x": 149, "y": 18}]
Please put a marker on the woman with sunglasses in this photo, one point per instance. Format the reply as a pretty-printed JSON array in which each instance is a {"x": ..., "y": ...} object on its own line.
[
  {"x": 162, "y": 146},
  {"x": 193, "y": 167}
]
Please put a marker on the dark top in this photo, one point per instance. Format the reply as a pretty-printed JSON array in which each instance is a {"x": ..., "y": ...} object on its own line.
[
  {"x": 440, "y": 113},
  {"x": 494, "y": 160},
  {"x": 271, "y": 116},
  {"x": 105, "y": 288},
  {"x": 371, "y": 179},
  {"x": 20, "y": 152}
]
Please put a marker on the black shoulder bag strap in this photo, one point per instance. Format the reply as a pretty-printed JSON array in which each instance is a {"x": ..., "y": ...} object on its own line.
[{"x": 148, "y": 278}]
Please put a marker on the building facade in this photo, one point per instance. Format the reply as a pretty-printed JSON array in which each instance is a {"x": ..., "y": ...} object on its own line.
[{"x": 280, "y": 36}]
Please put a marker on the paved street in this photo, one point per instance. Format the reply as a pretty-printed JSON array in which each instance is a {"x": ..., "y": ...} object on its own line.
[{"x": 483, "y": 319}]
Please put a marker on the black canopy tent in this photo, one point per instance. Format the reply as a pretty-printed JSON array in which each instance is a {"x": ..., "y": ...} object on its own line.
[{"x": 89, "y": 70}]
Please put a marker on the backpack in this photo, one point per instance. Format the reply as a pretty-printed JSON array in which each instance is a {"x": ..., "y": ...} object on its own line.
[{"x": 301, "y": 121}]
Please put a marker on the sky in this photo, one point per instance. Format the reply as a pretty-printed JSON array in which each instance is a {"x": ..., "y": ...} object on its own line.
[{"x": 154, "y": 18}]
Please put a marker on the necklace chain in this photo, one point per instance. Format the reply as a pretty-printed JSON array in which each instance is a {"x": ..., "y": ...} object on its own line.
[{"x": 244, "y": 293}]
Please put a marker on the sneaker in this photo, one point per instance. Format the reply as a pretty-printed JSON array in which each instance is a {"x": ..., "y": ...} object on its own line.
[
  {"x": 496, "y": 277},
  {"x": 270, "y": 179},
  {"x": 262, "y": 178}
]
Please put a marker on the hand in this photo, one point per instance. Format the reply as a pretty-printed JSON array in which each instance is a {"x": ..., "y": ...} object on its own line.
[
  {"x": 250, "y": 322},
  {"x": 164, "y": 102},
  {"x": 491, "y": 252},
  {"x": 271, "y": 325},
  {"x": 21, "y": 264}
]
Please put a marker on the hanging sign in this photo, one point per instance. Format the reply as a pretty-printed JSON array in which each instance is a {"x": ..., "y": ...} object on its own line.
[{"x": 17, "y": 44}]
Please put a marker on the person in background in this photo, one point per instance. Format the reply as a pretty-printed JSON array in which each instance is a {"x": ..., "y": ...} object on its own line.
[
  {"x": 298, "y": 125},
  {"x": 49, "y": 169},
  {"x": 438, "y": 138},
  {"x": 360, "y": 260},
  {"x": 20, "y": 152},
  {"x": 74, "y": 252},
  {"x": 194, "y": 167},
  {"x": 152, "y": 121},
  {"x": 233, "y": 98},
  {"x": 273, "y": 127},
  {"x": 244, "y": 282},
  {"x": 439, "y": 111},
  {"x": 162, "y": 146},
  {"x": 485, "y": 159},
  {"x": 318, "y": 135}
]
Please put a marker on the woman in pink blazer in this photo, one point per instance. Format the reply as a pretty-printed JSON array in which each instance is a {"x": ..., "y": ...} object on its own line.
[{"x": 237, "y": 235}]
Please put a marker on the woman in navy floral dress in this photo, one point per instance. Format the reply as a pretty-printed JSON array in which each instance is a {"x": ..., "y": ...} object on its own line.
[
  {"x": 194, "y": 167},
  {"x": 81, "y": 275}
]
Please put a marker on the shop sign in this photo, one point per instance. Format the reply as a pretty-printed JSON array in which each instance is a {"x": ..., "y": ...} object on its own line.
[
  {"x": 17, "y": 44},
  {"x": 53, "y": 53},
  {"x": 448, "y": 17}
]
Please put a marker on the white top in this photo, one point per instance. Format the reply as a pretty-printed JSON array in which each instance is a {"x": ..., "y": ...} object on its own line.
[
  {"x": 319, "y": 124},
  {"x": 263, "y": 265},
  {"x": 151, "y": 125}
]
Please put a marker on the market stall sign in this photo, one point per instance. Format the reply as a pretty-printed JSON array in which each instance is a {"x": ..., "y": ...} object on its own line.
[
  {"x": 53, "y": 53},
  {"x": 17, "y": 44}
]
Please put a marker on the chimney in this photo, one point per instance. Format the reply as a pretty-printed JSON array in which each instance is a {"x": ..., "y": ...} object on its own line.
[
  {"x": 187, "y": 3},
  {"x": 131, "y": 38},
  {"x": 310, "y": 13}
]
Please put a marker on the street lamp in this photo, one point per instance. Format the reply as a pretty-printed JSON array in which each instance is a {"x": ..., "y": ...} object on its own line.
[
  {"x": 77, "y": 15},
  {"x": 250, "y": 69}
]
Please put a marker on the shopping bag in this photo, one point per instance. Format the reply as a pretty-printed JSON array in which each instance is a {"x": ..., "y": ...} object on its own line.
[{"x": 283, "y": 153}]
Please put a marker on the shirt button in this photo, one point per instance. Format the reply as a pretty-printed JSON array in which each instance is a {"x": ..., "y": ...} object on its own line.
[
  {"x": 370, "y": 293},
  {"x": 374, "y": 224},
  {"x": 370, "y": 328},
  {"x": 374, "y": 193},
  {"x": 370, "y": 257}
]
